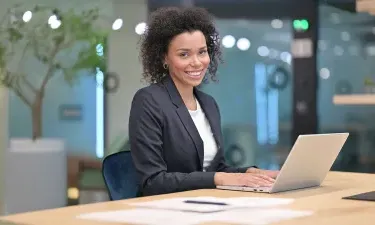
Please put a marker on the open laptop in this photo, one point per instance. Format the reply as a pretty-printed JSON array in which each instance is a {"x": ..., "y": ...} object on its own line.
[{"x": 307, "y": 164}]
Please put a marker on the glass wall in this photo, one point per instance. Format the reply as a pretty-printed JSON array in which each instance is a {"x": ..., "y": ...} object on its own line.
[
  {"x": 254, "y": 91},
  {"x": 346, "y": 54}
]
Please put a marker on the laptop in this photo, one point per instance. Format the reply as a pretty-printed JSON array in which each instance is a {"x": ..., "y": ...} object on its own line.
[{"x": 307, "y": 164}]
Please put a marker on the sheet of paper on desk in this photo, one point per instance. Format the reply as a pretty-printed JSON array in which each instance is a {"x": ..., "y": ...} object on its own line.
[
  {"x": 257, "y": 216},
  {"x": 229, "y": 203},
  {"x": 145, "y": 216},
  {"x": 249, "y": 216}
]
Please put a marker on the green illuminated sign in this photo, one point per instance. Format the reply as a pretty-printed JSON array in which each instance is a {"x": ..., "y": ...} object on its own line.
[{"x": 301, "y": 25}]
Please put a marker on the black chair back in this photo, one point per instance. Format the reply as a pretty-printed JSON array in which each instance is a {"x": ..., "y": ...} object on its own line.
[{"x": 119, "y": 176}]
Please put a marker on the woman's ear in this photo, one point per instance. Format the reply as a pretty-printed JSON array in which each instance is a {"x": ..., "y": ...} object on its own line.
[{"x": 165, "y": 61}]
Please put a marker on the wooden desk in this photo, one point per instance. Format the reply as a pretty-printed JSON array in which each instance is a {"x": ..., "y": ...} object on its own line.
[{"x": 325, "y": 201}]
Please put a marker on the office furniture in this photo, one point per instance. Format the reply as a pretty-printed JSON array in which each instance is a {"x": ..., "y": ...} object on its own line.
[
  {"x": 35, "y": 177},
  {"x": 365, "y": 6},
  {"x": 326, "y": 202},
  {"x": 119, "y": 176},
  {"x": 85, "y": 181},
  {"x": 354, "y": 99},
  {"x": 77, "y": 164},
  {"x": 366, "y": 159}
]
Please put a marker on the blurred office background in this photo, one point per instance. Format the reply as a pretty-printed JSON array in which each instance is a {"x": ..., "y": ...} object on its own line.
[{"x": 291, "y": 67}]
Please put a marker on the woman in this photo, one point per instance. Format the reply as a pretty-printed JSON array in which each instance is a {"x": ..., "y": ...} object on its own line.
[{"x": 174, "y": 129}]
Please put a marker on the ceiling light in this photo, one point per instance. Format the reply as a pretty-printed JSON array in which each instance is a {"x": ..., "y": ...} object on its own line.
[
  {"x": 286, "y": 57},
  {"x": 243, "y": 44},
  {"x": 52, "y": 19},
  {"x": 338, "y": 50},
  {"x": 228, "y": 41},
  {"x": 27, "y": 16},
  {"x": 277, "y": 24},
  {"x": 324, "y": 73},
  {"x": 54, "y": 22},
  {"x": 263, "y": 51},
  {"x": 345, "y": 36},
  {"x": 140, "y": 28},
  {"x": 117, "y": 24}
]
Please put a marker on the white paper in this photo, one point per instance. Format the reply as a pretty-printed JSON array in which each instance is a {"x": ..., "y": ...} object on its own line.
[
  {"x": 232, "y": 203},
  {"x": 256, "y": 216},
  {"x": 249, "y": 216},
  {"x": 146, "y": 216}
]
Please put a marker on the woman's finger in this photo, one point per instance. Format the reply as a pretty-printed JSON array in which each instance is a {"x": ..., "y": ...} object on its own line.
[
  {"x": 260, "y": 181},
  {"x": 265, "y": 177}
]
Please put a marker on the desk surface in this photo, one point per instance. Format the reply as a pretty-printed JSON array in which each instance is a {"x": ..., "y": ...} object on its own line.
[{"x": 325, "y": 201}]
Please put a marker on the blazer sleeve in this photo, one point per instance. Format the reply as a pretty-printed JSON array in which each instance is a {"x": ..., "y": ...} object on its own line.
[
  {"x": 222, "y": 165},
  {"x": 146, "y": 143}
]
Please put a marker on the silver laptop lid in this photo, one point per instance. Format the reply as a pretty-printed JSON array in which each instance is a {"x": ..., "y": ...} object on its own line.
[{"x": 309, "y": 161}]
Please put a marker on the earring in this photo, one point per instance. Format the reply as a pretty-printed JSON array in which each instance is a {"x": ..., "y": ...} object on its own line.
[{"x": 165, "y": 66}]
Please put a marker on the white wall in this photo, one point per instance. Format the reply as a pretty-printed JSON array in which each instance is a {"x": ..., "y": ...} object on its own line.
[{"x": 123, "y": 59}]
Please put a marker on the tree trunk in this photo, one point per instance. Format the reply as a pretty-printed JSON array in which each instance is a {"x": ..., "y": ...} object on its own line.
[{"x": 36, "y": 112}]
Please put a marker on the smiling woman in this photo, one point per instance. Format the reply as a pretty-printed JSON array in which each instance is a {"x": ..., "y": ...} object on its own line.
[
  {"x": 174, "y": 129},
  {"x": 187, "y": 61},
  {"x": 194, "y": 24}
]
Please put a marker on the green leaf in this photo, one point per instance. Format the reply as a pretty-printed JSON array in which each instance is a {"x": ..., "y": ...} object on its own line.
[
  {"x": 79, "y": 27},
  {"x": 2, "y": 77},
  {"x": 59, "y": 39},
  {"x": 14, "y": 34},
  {"x": 70, "y": 76},
  {"x": 2, "y": 55}
]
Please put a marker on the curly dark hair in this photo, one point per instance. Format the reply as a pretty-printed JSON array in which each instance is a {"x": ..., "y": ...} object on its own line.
[{"x": 166, "y": 23}]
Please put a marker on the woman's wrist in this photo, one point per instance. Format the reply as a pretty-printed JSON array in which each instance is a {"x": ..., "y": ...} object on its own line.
[{"x": 219, "y": 178}]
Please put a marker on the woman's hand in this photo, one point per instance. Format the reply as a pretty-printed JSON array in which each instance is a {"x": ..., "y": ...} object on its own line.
[
  {"x": 243, "y": 179},
  {"x": 269, "y": 173}
]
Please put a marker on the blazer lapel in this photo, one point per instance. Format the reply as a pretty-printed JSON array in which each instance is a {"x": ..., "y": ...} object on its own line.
[
  {"x": 185, "y": 117},
  {"x": 213, "y": 116},
  {"x": 209, "y": 110}
]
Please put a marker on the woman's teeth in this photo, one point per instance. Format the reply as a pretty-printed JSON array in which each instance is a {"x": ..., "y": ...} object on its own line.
[{"x": 195, "y": 73}]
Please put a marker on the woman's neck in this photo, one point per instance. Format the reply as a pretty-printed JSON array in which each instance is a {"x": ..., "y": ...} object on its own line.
[{"x": 187, "y": 95}]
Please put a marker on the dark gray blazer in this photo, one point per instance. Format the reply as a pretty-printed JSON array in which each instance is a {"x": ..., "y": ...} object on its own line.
[{"x": 165, "y": 145}]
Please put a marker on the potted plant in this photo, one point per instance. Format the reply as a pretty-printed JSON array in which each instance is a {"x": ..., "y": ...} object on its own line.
[{"x": 62, "y": 44}]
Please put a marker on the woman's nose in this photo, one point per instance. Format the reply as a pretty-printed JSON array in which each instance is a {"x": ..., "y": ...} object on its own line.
[{"x": 196, "y": 62}]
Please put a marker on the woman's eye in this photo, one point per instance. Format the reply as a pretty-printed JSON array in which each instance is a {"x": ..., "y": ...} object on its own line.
[
  {"x": 203, "y": 52},
  {"x": 183, "y": 54}
]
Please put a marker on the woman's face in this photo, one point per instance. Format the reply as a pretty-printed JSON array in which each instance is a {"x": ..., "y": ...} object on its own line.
[{"x": 187, "y": 58}]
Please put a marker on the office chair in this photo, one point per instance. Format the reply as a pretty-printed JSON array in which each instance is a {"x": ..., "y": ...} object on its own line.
[{"x": 120, "y": 176}]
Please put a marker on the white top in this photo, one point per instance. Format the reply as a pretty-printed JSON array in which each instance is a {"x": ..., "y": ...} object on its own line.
[{"x": 204, "y": 129}]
